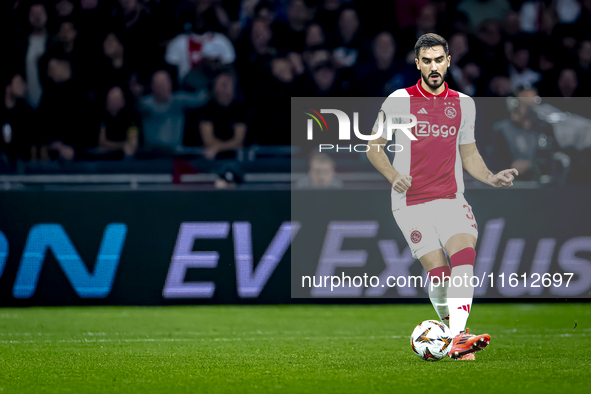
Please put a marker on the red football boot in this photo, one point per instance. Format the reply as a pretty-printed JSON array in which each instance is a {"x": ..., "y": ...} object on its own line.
[{"x": 466, "y": 343}]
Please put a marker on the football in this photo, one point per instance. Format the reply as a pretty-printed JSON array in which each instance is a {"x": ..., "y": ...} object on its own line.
[{"x": 431, "y": 340}]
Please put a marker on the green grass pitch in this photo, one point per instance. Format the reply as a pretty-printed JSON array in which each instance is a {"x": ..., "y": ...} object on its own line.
[{"x": 308, "y": 349}]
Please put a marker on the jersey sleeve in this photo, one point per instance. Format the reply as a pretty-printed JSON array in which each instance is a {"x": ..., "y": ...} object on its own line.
[
  {"x": 466, "y": 134},
  {"x": 391, "y": 105}
]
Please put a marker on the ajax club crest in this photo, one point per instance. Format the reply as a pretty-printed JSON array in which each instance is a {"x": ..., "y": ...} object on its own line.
[{"x": 450, "y": 112}]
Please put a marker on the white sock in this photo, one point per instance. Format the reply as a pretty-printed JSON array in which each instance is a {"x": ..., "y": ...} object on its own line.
[
  {"x": 459, "y": 298},
  {"x": 438, "y": 297}
]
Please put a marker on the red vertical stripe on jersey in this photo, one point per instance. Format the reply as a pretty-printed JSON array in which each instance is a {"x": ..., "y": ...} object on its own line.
[{"x": 433, "y": 157}]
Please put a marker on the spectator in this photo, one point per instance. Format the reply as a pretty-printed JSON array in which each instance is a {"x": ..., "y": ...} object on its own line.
[
  {"x": 286, "y": 48},
  {"x": 247, "y": 10},
  {"x": 222, "y": 127},
  {"x": 489, "y": 50},
  {"x": 547, "y": 62},
  {"x": 321, "y": 174},
  {"x": 427, "y": 20},
  {"x": 519, "y": 71},
  {"x": 407, "y": 12},
  {"x": 496, "y": 109},
  {"x": 119, "y": 126},
  {"x": 325, "y": 82},
  {"x": 458, "y": 48},
  {"x": 35, "y": 48},
  {"x": 568, "y": 83},
  {"x": 198, "y": 57},
  {"x": 203, "y": 16},
  {"x": 290, "y": 35},
  {"x": 382, "y": 74},
  {"x": 65, "y": 108},
  {"x": 511, "y": 25},
  {"x": 64, "y": 8},
  {"x": 564, "y": 40},
  {"x": 517, "y": 140},
  {"x": 464, "y": 74},
  {"x": 67, "y": 47},
  {"x": 260, "y": 39},
  {"x": 17, "y": 119},
  {"x": 500, "y": 86},
  {"x": 479, "y": 10},
  {"x": 323, "y": 78},
  {"x": 264, "y": 10},
  {"x": 255, "y": 54},
  {"x": 426, "y": 23},
  {"x": 468, "y": 78},
  {"x": 315, "y": 36},
  {"x": 348, "y": 42},
  {"x": 568, "y": 11},
  {"x": 89, "y": 5},
  {"x": 252, "y": 10},
  {"x": 529, "y": 16},
  {"x": 233, "y": 23},
  {"x": 314, "y": 56},
  {"x": 163, "y": 114},
  {"x": 114, "y": 67}
]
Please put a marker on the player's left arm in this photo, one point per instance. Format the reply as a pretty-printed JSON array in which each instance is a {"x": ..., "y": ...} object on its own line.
[{"x": 474, "y": 164}]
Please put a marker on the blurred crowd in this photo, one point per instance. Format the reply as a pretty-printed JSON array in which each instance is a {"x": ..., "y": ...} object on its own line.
[{"x": 116, "y": 79}]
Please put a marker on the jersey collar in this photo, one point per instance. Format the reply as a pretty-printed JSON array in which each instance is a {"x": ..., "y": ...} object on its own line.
[{"x": 428, "y": 95}]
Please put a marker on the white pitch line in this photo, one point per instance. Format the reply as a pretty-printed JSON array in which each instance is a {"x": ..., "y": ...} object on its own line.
[
  {"x": 196, "y": 333},
  {"x": 49, "y": 341}
]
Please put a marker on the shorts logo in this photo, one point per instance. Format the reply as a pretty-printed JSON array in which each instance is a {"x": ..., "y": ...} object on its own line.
[
  {"x": 450, "y": 112},
  {"x": 416, "y": 237}
]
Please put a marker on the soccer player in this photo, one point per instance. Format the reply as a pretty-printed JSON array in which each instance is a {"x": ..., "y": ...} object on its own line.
[{"x": 428, "y": 203}]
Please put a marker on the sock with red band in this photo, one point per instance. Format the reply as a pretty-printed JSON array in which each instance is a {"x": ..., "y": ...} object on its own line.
[
  {"x": 460, "y": 293},
  {"x": 438, "y": 291}
]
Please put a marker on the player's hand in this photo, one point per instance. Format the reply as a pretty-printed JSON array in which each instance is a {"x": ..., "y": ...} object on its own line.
[
  {"x": 503, "y": 178},
  {"x": 401, "y": 183}
]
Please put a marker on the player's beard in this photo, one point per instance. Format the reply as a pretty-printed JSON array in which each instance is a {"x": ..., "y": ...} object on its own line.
[{"x": 434, "y": 86}]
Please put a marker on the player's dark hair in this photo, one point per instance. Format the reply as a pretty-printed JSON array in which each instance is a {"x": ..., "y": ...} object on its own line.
[{"x": 431, "y": 40}]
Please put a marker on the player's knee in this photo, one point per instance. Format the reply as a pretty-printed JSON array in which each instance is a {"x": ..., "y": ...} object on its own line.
[{"x": 465, "y": 256}]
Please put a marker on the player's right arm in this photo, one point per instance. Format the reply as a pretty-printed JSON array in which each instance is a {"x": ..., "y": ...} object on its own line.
[{"x": 380, "y": 161}]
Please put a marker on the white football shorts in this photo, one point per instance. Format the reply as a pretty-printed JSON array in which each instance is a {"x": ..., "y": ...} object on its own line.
[{"x": 428, "y": 226}]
